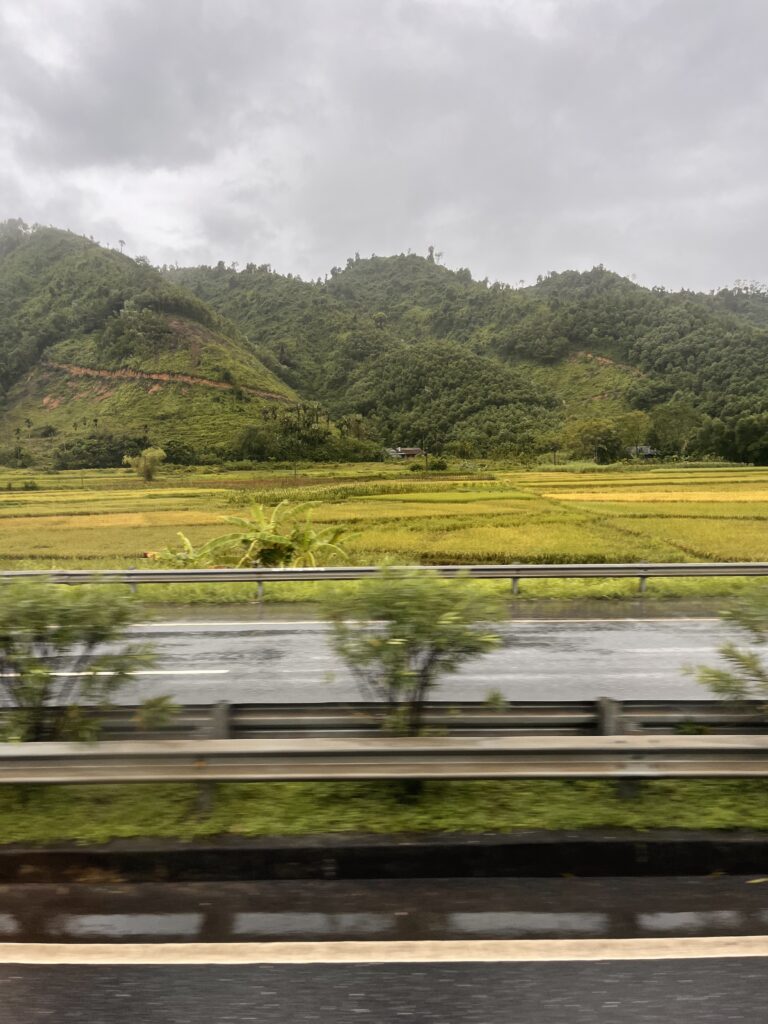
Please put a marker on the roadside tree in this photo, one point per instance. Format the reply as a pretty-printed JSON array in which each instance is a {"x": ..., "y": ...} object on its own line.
[
  {"x": 402, "y": 629},
  {"x": 63, "y": 650},
  {"x": 746, "y": 674}
]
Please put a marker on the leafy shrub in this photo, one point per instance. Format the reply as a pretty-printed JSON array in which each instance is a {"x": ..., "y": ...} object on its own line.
[
  {"x": 146, "y": 463},
  {"x": 400, "y": 630},
  {"x": 63, "y": 649}
]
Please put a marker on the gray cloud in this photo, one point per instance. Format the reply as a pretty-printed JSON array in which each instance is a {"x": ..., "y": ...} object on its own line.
[{"x": 518, "y": 136}]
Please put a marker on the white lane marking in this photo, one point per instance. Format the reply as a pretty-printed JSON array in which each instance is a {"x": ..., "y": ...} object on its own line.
[
  {"x": 143, "y": 672},
  {"x": 522, "y": 676},
  {"x": 451, "y": 951},
  {"x": 180, "y": 672},
  {"x": 321, "y": 624},
  {"x": 670, "y": 620},
  {"x": 235, "y": 625},
  {"x": 665, "y": 650}
]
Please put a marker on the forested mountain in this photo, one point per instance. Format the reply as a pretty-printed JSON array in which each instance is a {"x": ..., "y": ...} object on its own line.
[
  {"x": 100, "y": 354},
  {"x": 379, "y": 336}
]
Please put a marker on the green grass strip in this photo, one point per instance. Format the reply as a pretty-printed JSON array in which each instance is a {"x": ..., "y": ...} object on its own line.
[{"x": 91, "y": 814}]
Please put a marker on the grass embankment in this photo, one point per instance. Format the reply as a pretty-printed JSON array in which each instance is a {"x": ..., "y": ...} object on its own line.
[
  {"x": 91, "y": 814},
  {"x": 109, "y": 518}
]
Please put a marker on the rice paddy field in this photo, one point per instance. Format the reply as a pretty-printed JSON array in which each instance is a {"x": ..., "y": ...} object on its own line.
[{"x": 109, "y": 518}]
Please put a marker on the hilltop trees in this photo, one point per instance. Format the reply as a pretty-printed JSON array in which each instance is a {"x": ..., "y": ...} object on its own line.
[
  {"x": 426, "y": 355},
  {"x": 70, "y": 309},
  {"x": 358, "y": 341}
]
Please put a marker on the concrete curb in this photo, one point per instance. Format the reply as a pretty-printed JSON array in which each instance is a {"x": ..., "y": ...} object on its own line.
[{"x": 451, "y": 855}]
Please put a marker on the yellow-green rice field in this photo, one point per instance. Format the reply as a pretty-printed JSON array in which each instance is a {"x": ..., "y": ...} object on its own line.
[{"x": 109, "y": 518}]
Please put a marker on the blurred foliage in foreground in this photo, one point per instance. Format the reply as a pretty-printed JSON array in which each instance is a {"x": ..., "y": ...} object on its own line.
[
  {"x": 63, "y": 652},
  {"x": 400, "y": 631},
  {"x": 746, "y": 674}
]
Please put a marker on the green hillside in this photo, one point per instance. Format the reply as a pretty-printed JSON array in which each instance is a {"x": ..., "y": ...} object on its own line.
[
  {"x": 99, "y": 354},
  {"x": 364, "y": 344},
  {"x": 578, "y": 346}
]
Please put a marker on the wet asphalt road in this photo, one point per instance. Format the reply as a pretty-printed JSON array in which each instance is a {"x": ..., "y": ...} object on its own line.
[
  {"x": 641, "y": 992},
  {"x": 278, "y": 660},
  {"x": 385, "y": 910},
  {"x": 262, "y": 661}
]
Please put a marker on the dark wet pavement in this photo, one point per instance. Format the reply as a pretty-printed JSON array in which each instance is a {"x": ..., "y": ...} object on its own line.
[
  {"x": 554, "y": 659},
  {"x": 716, "y": 991},
  {"x": 551, "y": 609},
  {"x": 408, "y": 909}
]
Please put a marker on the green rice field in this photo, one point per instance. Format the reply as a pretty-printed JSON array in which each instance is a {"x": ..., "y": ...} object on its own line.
[{"x": 109, "y": 518}]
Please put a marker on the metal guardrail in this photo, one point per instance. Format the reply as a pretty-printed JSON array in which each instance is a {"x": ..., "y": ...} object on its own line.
[
  {"x": 285, "y": 760},
  {"x": 643, "y": 571},
  {"x": 604, "y": 716}
]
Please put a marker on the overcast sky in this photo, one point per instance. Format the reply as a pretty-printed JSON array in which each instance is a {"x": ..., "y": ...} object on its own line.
[{"x": 517, "y": 136}]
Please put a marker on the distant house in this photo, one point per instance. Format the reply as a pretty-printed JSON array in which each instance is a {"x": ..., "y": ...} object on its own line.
[
  {"x": 404, "y": 453},
  {"x": 642, "y": 451}
]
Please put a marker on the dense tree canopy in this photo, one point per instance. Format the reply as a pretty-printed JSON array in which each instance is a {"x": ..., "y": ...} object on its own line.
[
  {"x": 387, "y": 351},
  {"x": 360, "y": 340}
]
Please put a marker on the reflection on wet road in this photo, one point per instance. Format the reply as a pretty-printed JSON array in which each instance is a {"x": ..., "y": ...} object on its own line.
[
  {"x": 409, "y": 909},
  {"x": 242, "y": 661}
]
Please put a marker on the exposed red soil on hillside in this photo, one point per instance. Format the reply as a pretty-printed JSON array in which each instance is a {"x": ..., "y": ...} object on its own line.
[{"x": 126, "y": 373}]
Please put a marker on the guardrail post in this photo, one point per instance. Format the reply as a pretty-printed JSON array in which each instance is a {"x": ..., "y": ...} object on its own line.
[
  {"x": 218, "y": 729},
  {"x": 609, "y": 720},
  {"x": 131, "y": 584},
  {"x": 643, "y": 581},
  {"x": 515, "y": 585},
  {"x": 260, "y": 591},
  {"x": 219, "y": 726}
]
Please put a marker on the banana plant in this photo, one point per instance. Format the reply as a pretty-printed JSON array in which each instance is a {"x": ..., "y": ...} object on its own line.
[{"x": 282, "y": 536}]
